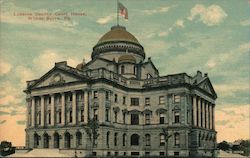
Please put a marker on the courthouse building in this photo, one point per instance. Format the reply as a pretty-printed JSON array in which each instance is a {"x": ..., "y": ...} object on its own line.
[{"x": 139, "y": 112}]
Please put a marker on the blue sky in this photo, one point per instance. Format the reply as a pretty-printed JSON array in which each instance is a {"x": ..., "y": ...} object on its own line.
[{"x": 180, "y": 36}]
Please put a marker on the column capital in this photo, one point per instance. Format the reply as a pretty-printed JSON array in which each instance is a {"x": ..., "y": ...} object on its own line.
[
  {"x": 62, "y": 93},
  {"x": 52, "y": 94}
]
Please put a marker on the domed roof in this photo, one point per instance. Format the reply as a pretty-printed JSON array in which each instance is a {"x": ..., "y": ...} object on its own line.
[
  {"x": 127, "y": 58},
  {"x": 118, "y": 33}
]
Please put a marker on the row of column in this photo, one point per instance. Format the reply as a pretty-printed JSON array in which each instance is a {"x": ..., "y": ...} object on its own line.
[
  {"x": 203, "y": 113},
  {"x": 63, "y": 110}
]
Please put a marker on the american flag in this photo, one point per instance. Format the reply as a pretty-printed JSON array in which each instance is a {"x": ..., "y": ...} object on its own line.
[{"x": 123, "y": 10}]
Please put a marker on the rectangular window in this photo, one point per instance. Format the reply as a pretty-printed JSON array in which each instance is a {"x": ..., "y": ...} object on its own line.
[
  {"x": 147, "y": 140},
  {"x": 147, "y": 101},
  {"x": 82, "y": 115},
  {"x": 177, "y": 139},
  {"x": 115, "y": 117},
  {"x": 162, "y": 140},
  {"x": 107, "y": 95},
  {"x": 116, "y": 153},
  {"x": 162, "y": 153},
  {"x": 162, "y": 118},
  {"x": 161, "y": 100},
  {"x": 176, "y": 153},
  {"x": 60, "y": 117},
  {"x": 95, "y": 114},
  {"x": 134, "y": 119},
  {"x": 95, "y": 94},
  {"x": 147, "y": 153},
  {"x": 70, "y": 116},
  {"x": 124, "y": 118},
  {"x": 107, "y": 115},
  {"x": 176, "y": 117},
  {"x": 116, "y": 98},
  {"x": 135, "y": 101},
  {"x": 147, "y": 119},
  {"x": 177, "y": 99},
  {"x": 124, "y": 100}
]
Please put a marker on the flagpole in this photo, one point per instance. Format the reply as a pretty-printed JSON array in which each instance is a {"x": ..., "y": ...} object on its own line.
[{"x": 117, "y": 21}]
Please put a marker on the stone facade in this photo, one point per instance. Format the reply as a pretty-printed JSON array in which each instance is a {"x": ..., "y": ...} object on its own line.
[{"x": 139, "y": 112}]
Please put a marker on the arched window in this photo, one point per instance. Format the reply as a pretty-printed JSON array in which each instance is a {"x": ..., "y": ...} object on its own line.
[
  {"x": 67, "y": 140},
  {"x": 36, "y": 140},
  {"x": 107, "y": 139},
  {"x": 56, "y": 140},
  {"x": 135, "y": 139},
  {"x": 78, "y": 138},
  {"x": 162, "y": 140},
  {"x": 124, "y": 137},
  {"x": 122, "y": 69},
  {"x": 46, "y": 140},
  {"x": 115, "y": 139},
  {"x": 147, "y": 139},
  {"x": 177, "y": 139}
]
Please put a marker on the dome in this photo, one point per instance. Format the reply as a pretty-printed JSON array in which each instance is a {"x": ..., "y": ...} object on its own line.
[
  {"x": 127, "y": 58},
  {"x": 118, "y": 33}
]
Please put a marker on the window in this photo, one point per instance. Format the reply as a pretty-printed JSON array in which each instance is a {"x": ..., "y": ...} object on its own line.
[
  {"x": 107, "y": 95},
  {"x": 177, "y": 99},
  {"x": 115, "y": 117},
  {"x": 176, "y": 117},
  {"x": 60, "y": 116},
  {"x": 124, "y": 118},
  {"x": 176, "y": 153},
  {"x": 116, "y": 153},
  {"x": 147, "y": 101},
  {"x": 162, "y": 117},
  {"x": 147, "y": 139},
  {"x": 161, "y": 100},
  {"x": 124, "y": 100},
  {"x": 95, "y": 114},
  {"x": 162, "y": 153},
  {"x": 38, "y": 118},
  {"x": 134, "y": 139},
  {"x": 135, "y": 153},
  {"x": 147, "y": 153},
  {"x": 107, "y": 115},
  {"x": 147, "y": 119},
  {"x": 115, "y": 139},
  {"x": 108, "y": 153},
  {"x": 69, "y": 97},
  {"x": 49, "y": 101},
  {"x": 177, "y": 139},
  {"x": 134, "y": 70},
  {"x": 122, "y": 69},
  {"x": 135, "y": 101},
  {"x": 95, "y": 94},
  {"x": 124, "y": 137},
  {"x": 82, "y": 115},
  {"x": 79, "y": 97},
  {"x": 70, "y": 116},
  {"x": 124, "y": 154},
  {"x": 78, "y": 138},
  {"x": 134, "y": 119},
  {"x": 116, "y": 99},
  {"x": 107, "y": 139},
  {"x": 162, "y": 140}
]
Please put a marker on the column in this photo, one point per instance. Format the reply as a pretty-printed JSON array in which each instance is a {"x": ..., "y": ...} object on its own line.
[
  {"x": 213, "y": 116},
  {"x": 207, "y": 126},
  {"x": 42, "y": 111},
  {"x": 63, "y": 108},
  {"x": 74, "y": 106},
  {"x": 52, "y": 109},
  {"x": 33, "y": 111},
  {"x": 86, "y": 102},
  {"x": 199, "y": 112},
  {"x": 194, "y": 111},
  {"x": 203, "y": 113}
]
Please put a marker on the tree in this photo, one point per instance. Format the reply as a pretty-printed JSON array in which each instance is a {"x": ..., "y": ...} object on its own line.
[
  {"x": 223, "y": 145},
  {"x": 6, "y": 148},
  {"x": 166, "y": 136},
  {"x": 92, "y": 131}
]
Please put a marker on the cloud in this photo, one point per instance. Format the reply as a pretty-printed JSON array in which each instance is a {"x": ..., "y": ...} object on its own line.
[
  {"x": 245, "y": 22},
  {"x": 24, "y": 73},
  {"x": 106, "y": 19},
  {"x": 5, "y": 67},
  {"x": 245, "y": 47},
  {"x": 211, "y": 63},
  {"x": 162, "y": 9},
  {"x": 163, "y": 33},
  {"x": 180, "y": 23},
  {"x": 21, "y": 122},
  {"x": 232, "y": 119},
  {"x": 2, "y": 122},
  {"x": 9, "y": 99},
  {"x": 4, "y": 113},
  {"x": 212, "y": 15}
]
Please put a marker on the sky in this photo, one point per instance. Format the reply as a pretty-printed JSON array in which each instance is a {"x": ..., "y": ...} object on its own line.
[{"x": 212, "y": 36}]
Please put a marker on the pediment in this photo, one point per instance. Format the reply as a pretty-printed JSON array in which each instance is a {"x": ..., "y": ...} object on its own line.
[
  {"x": 56, "y": 76},
  {"x": 207, "y": 86}
]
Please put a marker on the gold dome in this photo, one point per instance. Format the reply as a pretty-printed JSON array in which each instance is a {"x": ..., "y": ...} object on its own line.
[
  {"x": 118, "y": 33},
  {"x": 127, "y": 58}
]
